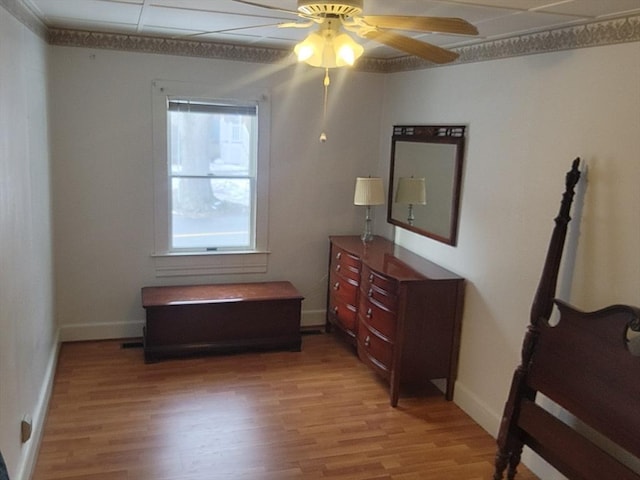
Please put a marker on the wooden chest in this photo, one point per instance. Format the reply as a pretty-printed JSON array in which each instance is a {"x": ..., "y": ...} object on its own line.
[{"x": 220, "y": 318}]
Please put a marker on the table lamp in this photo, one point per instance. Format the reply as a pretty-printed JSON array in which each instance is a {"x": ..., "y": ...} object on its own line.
[{"x": 369, "y": 191}]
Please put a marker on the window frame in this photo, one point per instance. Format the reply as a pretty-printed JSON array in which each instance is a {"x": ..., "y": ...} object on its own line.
[{"x": 177, "y": 263}]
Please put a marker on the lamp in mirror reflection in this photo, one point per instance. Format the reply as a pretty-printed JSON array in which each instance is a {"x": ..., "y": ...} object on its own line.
[
  {"x": 369, "y": 191},
  {"x": 411, "y": 191}
]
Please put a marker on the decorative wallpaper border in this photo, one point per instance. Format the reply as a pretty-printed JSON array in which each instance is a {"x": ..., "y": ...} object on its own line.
[
  {"x": 608, "y": 32},
  {"x": 166, "y": 46},
  {"x": 597, "y": 33}
]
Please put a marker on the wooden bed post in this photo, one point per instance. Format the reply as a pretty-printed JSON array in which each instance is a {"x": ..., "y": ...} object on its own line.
[
  {"x": 510, "y": 446},
  {"x": 543, "y": 301}
]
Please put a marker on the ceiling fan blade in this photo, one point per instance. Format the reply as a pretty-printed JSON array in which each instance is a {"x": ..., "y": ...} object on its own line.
[
  {"x": 422, "y": 24},
  {"x": 260, "y": 5},
  {"x": 414, "y": 47}
]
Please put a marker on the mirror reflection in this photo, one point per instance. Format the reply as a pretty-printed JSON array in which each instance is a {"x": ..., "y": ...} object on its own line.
[{"x": 425, "y": 177}]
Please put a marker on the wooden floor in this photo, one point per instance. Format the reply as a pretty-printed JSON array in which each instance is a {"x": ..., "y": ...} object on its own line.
[{"x": 315, "y": 414}]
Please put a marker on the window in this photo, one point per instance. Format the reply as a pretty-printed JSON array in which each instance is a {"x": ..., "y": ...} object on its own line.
[
  {"x": 212, "y": 158},
  {"x": 211, "y": 178}
]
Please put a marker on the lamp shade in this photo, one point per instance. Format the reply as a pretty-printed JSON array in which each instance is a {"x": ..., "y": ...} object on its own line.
[
  {"x": 369, "y": 191},
  {"x": 347, "y": 51},
  {"x": 412, "y": 191},
  {"x": 310, "y": 49},
  {"x": 328, "y": 48}
]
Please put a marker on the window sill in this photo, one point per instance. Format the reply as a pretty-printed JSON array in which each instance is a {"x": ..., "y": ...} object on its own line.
[{"x": 209, "y": 263}]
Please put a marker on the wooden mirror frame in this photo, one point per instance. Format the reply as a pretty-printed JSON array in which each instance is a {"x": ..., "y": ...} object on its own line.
[{"x": 436, "y": 135}]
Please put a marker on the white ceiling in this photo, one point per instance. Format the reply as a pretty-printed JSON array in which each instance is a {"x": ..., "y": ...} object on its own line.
[{"x": 227, "y": 21}]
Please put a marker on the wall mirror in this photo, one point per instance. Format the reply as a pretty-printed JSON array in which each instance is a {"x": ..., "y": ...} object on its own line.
[{"x": 425, "y": 180}]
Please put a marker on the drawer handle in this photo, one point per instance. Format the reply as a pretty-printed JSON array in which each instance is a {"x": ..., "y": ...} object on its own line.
[
  {"x": 338, "y": 255},
  {"x": 338, "y": 267},
  {"x": 367, "y": 341},
  {"x": 336, "y": 286},
  {"x": 370, "y": 292},
  {"x": 371, "y": 277},
  {"x": 335, "y": 310},
  {"x": 369, "y": 313}
]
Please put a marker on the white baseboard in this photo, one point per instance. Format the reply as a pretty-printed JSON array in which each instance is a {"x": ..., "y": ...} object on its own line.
[
  {"x": 490, "y": 421},
  {"x": 313, "y": 318},
  {"x": 100, "y": 331},
  {"x": 477, "y": 410},
  {"x": 30, "y": 450}
]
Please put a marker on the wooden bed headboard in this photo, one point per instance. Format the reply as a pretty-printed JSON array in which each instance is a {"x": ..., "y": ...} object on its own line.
[{"x": 588, "y": 364}]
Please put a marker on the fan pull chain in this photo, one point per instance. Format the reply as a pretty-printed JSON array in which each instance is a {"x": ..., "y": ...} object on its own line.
[{"x": 327, "y": 82}]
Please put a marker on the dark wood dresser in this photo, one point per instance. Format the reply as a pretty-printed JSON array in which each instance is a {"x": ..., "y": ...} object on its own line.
[{"x": 402, "y": 312}]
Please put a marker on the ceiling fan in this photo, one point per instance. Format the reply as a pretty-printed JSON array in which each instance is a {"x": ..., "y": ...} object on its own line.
[
  {"x": 331, "y": 15},
  {"x": 329, "y": 47}
]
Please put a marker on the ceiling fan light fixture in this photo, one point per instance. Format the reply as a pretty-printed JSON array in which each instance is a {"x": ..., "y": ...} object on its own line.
[
  {"x": 346, "y": 8},
  {"x": 328, "y": 49}
]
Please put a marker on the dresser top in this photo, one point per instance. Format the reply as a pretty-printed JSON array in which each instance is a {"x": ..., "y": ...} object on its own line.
[{"x": 390, "y": 259}]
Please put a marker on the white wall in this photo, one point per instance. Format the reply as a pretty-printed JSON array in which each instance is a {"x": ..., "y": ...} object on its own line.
[
  {"x": 27, "y": 336},
  {"x": 528, "y": 118},
  {"x": 102, "y": 177}
]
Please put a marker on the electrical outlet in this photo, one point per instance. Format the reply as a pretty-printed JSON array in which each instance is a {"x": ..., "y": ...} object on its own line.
[{"x": 25, "y": 428}]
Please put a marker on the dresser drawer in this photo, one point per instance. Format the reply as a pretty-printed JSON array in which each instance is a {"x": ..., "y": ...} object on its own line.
[
  {"x": 378, "y": 318},
  {"x": 345, "y": 263},
  {"x": 342, "y": 288},
  {"x": 346, "y": 269},
  {"x": 379, "y": 289},
  {"x": 343, "y": 314},
  {"x": 382, "y": 298},
  {"x": 371, "y": 278},
  {"x": 374, "y": 350}
]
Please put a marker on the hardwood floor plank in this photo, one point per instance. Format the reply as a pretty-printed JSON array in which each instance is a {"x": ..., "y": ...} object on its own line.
[{"x": 315, "y": 414}]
